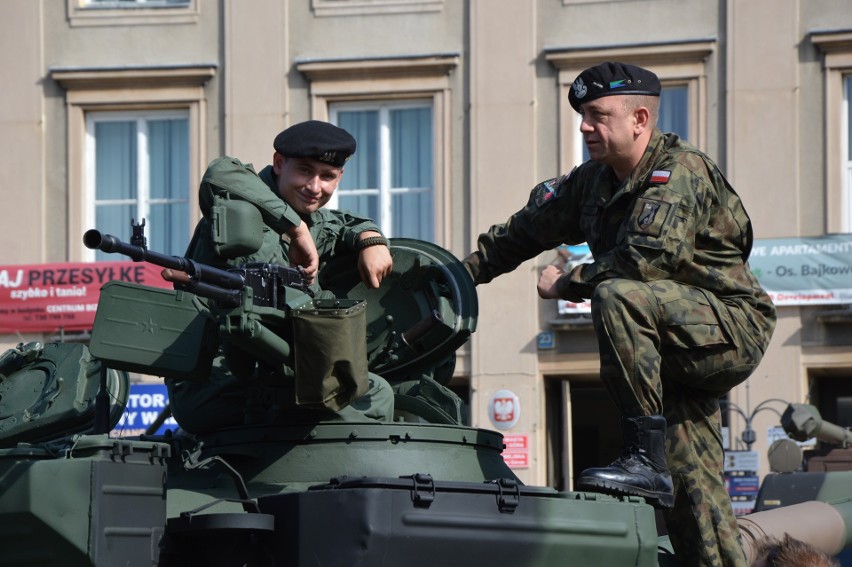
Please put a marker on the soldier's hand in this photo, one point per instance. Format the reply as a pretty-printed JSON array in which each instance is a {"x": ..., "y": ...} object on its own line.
[
  {"x": 303, "y": 251},
  {"x": 374, "y": 263},
  {"x": 547, "y": 282}
]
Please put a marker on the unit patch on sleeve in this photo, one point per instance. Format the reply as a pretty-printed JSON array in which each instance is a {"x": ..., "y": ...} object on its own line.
[{"x": 546, "y": 191}]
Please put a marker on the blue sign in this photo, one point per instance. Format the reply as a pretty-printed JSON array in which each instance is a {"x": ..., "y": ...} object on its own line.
[
  {"x": 144, "y": 405},
  {"x": 546, "y": 340},
  {"x": 747, "y": 485}
]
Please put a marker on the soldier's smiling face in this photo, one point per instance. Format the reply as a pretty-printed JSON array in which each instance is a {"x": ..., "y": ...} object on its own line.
[{"x": 306, "y": 184}]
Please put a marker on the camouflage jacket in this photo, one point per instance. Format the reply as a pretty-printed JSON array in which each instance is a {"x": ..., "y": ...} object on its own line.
[
  {"x": 675, "y": 217},
  {"x": 334, "y": 231}
]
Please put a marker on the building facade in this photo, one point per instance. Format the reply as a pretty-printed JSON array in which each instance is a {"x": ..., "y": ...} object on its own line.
[{"x": 111, "y": 109}]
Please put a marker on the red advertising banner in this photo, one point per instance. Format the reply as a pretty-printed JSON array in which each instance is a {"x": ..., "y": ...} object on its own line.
[{"x": 43, "y": 298}]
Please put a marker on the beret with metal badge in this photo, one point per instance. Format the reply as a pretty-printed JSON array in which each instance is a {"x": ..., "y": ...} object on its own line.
[{"x": 317, "y": 140}]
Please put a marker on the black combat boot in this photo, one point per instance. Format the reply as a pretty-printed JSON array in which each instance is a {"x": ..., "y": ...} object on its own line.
[{"x": 641, "y": 469}]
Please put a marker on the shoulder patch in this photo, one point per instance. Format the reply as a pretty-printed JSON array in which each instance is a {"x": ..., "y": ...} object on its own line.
[
  {"x": 660, "y": 177},
  {"x": 546, "y": 191}
]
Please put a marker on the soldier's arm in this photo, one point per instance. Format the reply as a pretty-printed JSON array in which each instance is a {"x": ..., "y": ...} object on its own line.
[
  {"x": 227, "y": 175},
  {"x": 352, "y": 232},
  {"x": 548, "y": 219}
]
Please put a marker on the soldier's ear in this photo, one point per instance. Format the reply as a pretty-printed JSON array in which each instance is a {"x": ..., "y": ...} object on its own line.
[
  {"x": 642, "y": 116},
  {"x": 277, "y": 162}
]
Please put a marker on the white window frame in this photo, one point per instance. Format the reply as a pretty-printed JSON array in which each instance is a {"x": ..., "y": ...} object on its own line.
[
  {"x": 143, "y": 200},
  {"x": 384, "y": 190},
  {"x": 837, "y": 65},
  {"x": 389, "y": 79}
]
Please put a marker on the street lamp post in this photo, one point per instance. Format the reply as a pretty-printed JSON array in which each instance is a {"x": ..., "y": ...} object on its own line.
[{"x": 748, "y": 435}]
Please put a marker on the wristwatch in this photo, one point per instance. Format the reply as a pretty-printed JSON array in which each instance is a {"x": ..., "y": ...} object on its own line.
[{"x": 371, "y": 241}]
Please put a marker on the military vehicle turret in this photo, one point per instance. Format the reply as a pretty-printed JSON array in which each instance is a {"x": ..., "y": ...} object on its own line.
[
  {"x": 297, "y": 486},
  {"x": 820, "y": 474},
  {"x": 816, "y": 474}
]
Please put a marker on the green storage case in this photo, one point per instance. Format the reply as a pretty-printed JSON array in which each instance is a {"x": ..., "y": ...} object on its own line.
[
  {"x": 94, "y": 501},
  {"x": 154, "y": 331}
]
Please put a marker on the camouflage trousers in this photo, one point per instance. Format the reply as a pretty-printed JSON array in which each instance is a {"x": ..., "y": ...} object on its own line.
[{"x": 671, "y": 349}]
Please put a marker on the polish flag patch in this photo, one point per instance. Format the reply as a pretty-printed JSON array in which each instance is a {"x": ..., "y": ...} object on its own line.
[{"x": 660, "y": 176}]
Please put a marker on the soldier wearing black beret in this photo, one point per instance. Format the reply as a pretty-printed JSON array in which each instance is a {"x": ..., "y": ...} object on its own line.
[
  {"x": 679, "y": 316},
  {"x": 291, "y": 194}
]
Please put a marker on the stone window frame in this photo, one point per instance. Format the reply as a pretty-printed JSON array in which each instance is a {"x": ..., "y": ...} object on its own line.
[
  {"x": 128, "y": 89},
  {"x": 424, "y": 77},
  {"x": 836, "y": 47}
]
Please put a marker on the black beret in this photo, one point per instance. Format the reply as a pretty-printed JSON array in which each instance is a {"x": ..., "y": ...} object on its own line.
[
  {"x": 612, "y": 79},
  {"x": 316, "y": 140}
]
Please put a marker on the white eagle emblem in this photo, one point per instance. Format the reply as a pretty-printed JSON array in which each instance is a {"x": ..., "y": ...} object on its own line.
[
  {"x": 504, "y": 409},
  {"x": 580, "y": 88}
]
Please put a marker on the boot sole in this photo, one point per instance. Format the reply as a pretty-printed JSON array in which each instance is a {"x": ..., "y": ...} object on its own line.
[{"x": 655, "y": 499}]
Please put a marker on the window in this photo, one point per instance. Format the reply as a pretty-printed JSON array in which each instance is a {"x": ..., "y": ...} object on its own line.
[
  {"x": 398, "y": 109},
  {"x": 847, "y": 142},
  {"x": 138, "y": 168},
  {"x": 390, "y": 176},
  {"x": 674, "y": 110},
  {"x": 837, "y": 65},
  {"x": 680, "y": 67},
  {"x": 135, "y": 3},
  {"x": 132, "y": 12},
  {"x": 134, "y": 151}
]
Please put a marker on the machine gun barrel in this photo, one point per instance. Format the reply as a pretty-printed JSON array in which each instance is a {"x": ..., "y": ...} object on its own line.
[
  {"x": 220, "y": 285},
  {"x": 223, "y": 286},
  {"x": 803, "y": 421}
]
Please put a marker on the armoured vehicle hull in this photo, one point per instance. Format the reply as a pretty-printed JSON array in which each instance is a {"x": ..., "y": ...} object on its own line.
[{"x": 303, "y": 491}]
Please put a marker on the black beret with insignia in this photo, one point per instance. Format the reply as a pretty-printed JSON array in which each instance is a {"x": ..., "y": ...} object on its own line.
[
  {"x": 316, "y": 140},
  {"x": 612, "y": 79}
]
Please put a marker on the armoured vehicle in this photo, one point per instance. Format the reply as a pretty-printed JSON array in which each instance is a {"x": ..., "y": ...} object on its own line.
[
  {"x": 295, "y": 484},
  {"x": 823, "y": 473},
  {"x": 815, "y": 474}
]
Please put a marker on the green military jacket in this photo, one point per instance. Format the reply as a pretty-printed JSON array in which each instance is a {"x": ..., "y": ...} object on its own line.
[
  {"x": 333, "y": 231},
  {"x": 675, "y": 217}
]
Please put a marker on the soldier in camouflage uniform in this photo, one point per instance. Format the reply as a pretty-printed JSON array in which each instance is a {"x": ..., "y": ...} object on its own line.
[
  {"x": 679, "y": 316},
  {"x": 290, "y": 194}
]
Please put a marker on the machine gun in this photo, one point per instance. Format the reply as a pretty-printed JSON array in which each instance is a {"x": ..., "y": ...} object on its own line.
[
  {"x": 222, "y": 286},
  {"x": 260, "y": 313}
]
